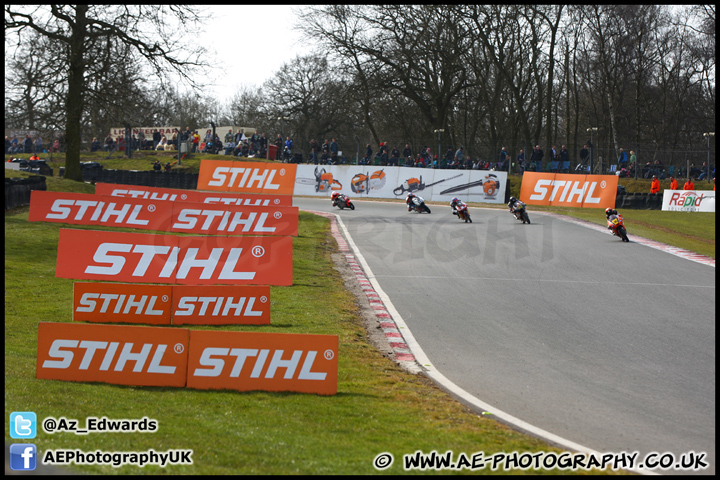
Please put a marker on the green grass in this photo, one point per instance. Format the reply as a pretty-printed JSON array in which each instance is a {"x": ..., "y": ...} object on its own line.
[{"x": 378, "y": 407}]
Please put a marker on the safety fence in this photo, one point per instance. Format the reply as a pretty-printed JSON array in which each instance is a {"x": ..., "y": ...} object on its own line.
[{"x": 149, "y": 178}]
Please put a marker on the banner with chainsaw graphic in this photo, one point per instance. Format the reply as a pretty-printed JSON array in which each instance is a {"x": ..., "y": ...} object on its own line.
[{"x": 358, "y": 181}]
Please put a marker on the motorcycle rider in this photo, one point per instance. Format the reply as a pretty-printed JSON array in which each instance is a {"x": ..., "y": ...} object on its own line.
[
  {"x": 515, "y": 204},
  {"x": 456, "y": 204},
  {"x": 409, "y": 200},
  {"x": 337, "y": 197},
  {"x": 608, "y": 213}
]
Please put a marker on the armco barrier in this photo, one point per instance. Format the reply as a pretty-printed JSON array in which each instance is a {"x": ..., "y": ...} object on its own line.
[
  {"x": 17, "y": 190},
  {"x": 149, "y": 178},
  {"x": 639, "y": 201}
]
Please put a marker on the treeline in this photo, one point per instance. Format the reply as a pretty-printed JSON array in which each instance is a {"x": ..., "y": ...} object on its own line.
[{"x": 478, "y": 76}]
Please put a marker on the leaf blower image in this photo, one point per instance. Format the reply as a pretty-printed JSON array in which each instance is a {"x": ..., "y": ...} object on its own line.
[
  {"x": 415, "y": 184},
  {"x": 363, "y": 183}
]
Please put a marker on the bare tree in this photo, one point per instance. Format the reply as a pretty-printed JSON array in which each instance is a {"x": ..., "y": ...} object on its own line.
[{"x": 77, "y": 27}]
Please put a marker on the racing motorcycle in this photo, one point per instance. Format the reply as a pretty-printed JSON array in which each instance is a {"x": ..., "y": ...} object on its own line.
[
  {"x": 417, "y": 204},
  {"x": 341, "y": 201},
  {"x": 463, "y": 213},
  {"x": 520, "y": 212},
  {"x": 617, "y": 227}
]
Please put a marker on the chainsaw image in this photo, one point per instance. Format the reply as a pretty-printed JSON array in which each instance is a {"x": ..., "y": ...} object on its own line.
[
  {"x": 414, "y": 184},
  {"x": 323, "y": 182},
  {"x": 363, "y": 183}
]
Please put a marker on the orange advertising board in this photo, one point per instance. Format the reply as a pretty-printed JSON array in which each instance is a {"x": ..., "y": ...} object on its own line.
[
  {"x": 247, "y": 177},
  {"x": 186, "y": 260},
  {"x": 569, "y": 190},
  {"x": 162, "y": 215},
  {"x": 221, "y": 305},
  {"x": 122, "y": 303},
  {"x": 275, "y": 362},
  {"x": 118, "y": 354},
  {"x": 179, "y": 195}
]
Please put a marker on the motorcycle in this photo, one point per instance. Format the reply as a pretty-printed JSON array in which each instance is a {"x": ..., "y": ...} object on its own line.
[
  {"x": 617, "y": 227},
  {"x": 520, "y": 213},
  {"x": 342, "y": 201},
  {"x": 463, "y": 213},
  {"x": 417, "y": 204}
]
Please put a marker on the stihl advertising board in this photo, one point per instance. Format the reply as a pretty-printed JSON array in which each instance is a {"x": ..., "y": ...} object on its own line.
[
  {"x": 119, "y": 354},
  {"x": 178, "y": 357},
  {"x": 178, "y": 195},
  {"x": 171, "y": 304},
  {"x": 272, "y": 362},
  {"x": 569, "y": 190},
  {"x": 161, "y": 215},
  {"x": 186, "y": 260},
  {"x": 247, "y": 177}
]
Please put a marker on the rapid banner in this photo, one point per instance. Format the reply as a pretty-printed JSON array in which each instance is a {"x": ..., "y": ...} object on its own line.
[
  {"x": 162, "y": 215},
  {"x": 187, "y": 260},
  {"x": 118, "y": 354},
  {"x": 689, "y": 200},
  {"x": 171, "y": 304},
  {"x": 274, "y": 362},
  {"x": 569, "y": 190},
  {"x": 194, "y": 196},
  {"x": 247, "y": 177},
  {"x": 178, "y": 357},
  {"x": 483, "y": 186}
]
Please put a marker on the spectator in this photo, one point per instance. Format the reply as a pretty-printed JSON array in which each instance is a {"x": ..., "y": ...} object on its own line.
[
  {"x": 28, "y": 144},
  {"x": 195, "y": 141},
  {"x": 584, "y": 155},
  {"x": 229, "y": 146},
  {"x": 278, "y": 144},
  {"x": 168, "y": 166},
  {"x": 383, "y": 153},
  {"x": 7, "y": 144},
  {"x": 110, "y": 144},
  {"x": 622, "y": 159},
  {"x": 157, "y": 166},
  {"x": 289, "y": 144},
  {"x": 156, "y": 138},
  {"x": 314, "y": 149},
  {"x": 689, "y": 185},
  {"x": 14, "y": 148},
  {"x": 564, "y": 160},
  {"x": 521, "y": 161},
  {"x": 38, "y": 144},
  {"x": 141, "y": 140},
  {"x": 536, "y": 158},
  {"x": 368, "y": 155},
  {"x": 229, "y": 137},
  {"x": 407, "y": 154},
  {"x": 503, "y": 158},
  {"x": 326, "y": 147},
  {"x": 655, "y": 185},
  {"x": 334, "y": 147},
  {"x": 162, "y": 144},
  {"x": 703, "y": 171},
  {"x": 459, "y": 157},
  {"x": 673, "y": 183},
  {"x": 394, "y": 156}
]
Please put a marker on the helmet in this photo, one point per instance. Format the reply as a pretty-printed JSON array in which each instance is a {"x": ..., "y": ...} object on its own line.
[
  {"x": 454, "y": 201},
  {"x": 610, "y": 211},
  {"x": 410, "y": 195},
  {"x": 335, "y": 195},
  {"x": 513, "y": 199}
]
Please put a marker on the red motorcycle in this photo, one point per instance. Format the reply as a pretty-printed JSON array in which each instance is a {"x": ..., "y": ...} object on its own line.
[
  {"x": 617, "y": 227},
  {"x": 341, "y": 201},
  {"x": 463, "y": 213}
]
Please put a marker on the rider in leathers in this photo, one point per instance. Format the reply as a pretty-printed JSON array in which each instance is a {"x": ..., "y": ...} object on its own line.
[{"x": 456, "y": 204}]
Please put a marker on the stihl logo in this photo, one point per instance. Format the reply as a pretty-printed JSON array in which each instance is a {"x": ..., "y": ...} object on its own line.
[
  {"x": 96, "y": 211},
  {"x": 248, "y": 361},
  {"x": 251, "y": 202},
  {"x": 249, "y": 178},
  {"x": 112, "y": 302},
  {"x": 213, "y": 364},
  {"x": 573, "y": 191},
  {"x": 220, "y": 306},
  {"x": 226, "y": 221},
  {"x": 187, "y": 259},
  {"x": 114, "y": 355},
  {"x": 144, "y": 194},
  {"x": 139, "y": 258},
  {"x": 596, "y": 191},
  {"x": 125, "y": 355}
]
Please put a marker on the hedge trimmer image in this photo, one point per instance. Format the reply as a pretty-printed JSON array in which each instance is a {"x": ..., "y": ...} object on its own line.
[
  {"x": 363, "y": 183},
  {"x": 323, "y": 182},
  {"x": 415, "y": 184},
  {"x": 490, "y": 185}
]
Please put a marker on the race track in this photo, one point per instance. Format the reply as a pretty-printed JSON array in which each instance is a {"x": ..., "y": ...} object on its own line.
[{"x": 606, "y": 344}]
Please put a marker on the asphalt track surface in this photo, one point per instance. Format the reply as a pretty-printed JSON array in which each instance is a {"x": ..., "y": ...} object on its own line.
[{"x": 606, "y": 344}]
